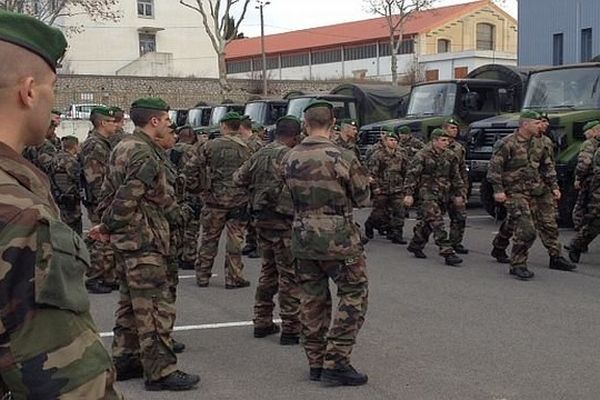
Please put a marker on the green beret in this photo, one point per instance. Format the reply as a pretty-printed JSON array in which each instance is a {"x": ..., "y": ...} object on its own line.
[
  {"x": 403, "y": 130},
  {"x": 391, "y": 134},
  {"x": 349, "y": 121},
  {"x": 200, "y": 131},
  {"x": 116, "y": 109},
  {"x": 387, "y": 129},
  {"x": 182, "y": 127},
  {"x": 231, "y": 116},
  {"x": 318, "y": 103},
  {"x": 529, "y": 114},
  {"x": 543, "y": 115},
  {"x": 452, "y": 121},
  {"x": 438, "y": 132},
  {"x": 289, "y": 118},
  {"x": 337, "y": 128},
  {"x": 151, "y": 103},
  {"x": 107, "y": 112},
  {"x": 591, "y": 125},
  {"x": 256, "y": 127},
  {"x": 31, "y": 34}
]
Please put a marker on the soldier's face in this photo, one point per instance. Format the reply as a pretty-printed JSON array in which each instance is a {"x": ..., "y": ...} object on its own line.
[
  {"x": 452, "y": 130},
  {"x": 533, "y": 126},
  {"x": 350, "y": 131},
  {"x": 390, "y": 143},
  {"x": 110, "y": 126},
  {"x": 441, "y": 143},
  {"x": 38, "y": 96},
  {"x": 162, "y": 124}
]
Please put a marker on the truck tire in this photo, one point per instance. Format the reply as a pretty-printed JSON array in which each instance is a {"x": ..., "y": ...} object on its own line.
[{"x": 486, "y": 192}]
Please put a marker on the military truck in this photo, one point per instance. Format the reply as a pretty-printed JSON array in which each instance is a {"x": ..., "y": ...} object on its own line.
[
  {"x": 571, "y": 96},
  {"x": 199, "y": 116},
  {"x": 487, "y": 91},
  {"x": 343, "y": 106},
  {"x": 266, "y": 112}
]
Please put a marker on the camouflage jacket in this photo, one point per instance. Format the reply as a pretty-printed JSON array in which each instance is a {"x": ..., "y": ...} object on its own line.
[
  {"x": 522, "y": 166},
  {"x": 42, "y": 156},
  {"x": 117, "y": 137},
  {"x": 584, "y": 170},
  {"x": 371, "y": 150},
  {"x": 460, "y": 157},
  {"x": 325, "y": 182},
  {"x": 410, "y": 144},
  {"x": 95, "y": 154},
  {"x": 594, "y": 188},
  {"x": 181, "y": 154},
  {"x": 211, "y": 170},
  {"x": 348, "y": 146},
  {"x": 49, "y": 343},
  {"x": 433, "y": 175},
  {"x": 138, "y": 204},
  {"x": 388, "y": 169},
  {"x": 65, "y": 180},
  {"x": 270, "y": 199},
  {"x": 255, "y": 143}
]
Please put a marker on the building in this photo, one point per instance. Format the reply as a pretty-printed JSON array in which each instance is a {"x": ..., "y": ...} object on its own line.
[
  {"x": 152, "y": 38},
  {"x": 556, "y": 32},
  {"x": 442, "y": 43}
]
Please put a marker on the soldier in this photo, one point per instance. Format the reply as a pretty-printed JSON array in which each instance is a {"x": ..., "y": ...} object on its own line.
[
  {"x": 583, "y": 171},
  {"x": 326, "y": 182},
  {"x": 273, "y": 211},
  {"x": 120, "y": 133},
  {"x": 457, "y": 213},
  {"x": 433, "y": 176},
  {"x": 95, "y": 154},
  {"x": 43, "y": 156},
  {"x": 407, "y": 142},
  {"x": 375, "y": 221},
  {"x": 210, "y": 173},
  {"x": 523, "y": 176},
  {"x": 388, "y": 168},
  {"x": 65, "y": 181},
  {"x": 50, "y": 344},
  {"x": 136, "y": 214},
  {"x": 247, "y": 134},
  {"x": 348, "y": 135}
]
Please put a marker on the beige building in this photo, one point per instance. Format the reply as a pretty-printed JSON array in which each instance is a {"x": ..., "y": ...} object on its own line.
[{"x": 152, "y": 38}]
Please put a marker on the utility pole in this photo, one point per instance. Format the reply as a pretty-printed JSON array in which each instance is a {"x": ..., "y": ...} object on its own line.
[{"x": 260, "y": 6}]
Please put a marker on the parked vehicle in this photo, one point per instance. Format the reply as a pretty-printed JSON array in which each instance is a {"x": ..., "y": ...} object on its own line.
[
  {"x": 199, "y": 116},
  {"x": 266, "y": 112},
  {"x": 178, "y": 116},
  {"x": 80, "y": 111}
]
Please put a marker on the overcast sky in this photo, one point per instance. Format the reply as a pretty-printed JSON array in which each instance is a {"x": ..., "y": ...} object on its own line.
[{"x": 289, "y": 15}]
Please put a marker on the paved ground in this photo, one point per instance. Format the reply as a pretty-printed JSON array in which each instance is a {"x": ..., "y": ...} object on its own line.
[{"x": 432, "y": 331}]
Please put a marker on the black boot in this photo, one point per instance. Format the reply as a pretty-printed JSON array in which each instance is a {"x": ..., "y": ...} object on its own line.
[
  {"x": 254, "y": 254},
  {"x": 289, "y": 339},
  {"x": 343, "y": 377},
  {"x": 460, "y": 249},
  {"x": 128, "y": 368},
  {"x": 418, "y": 253},
  {"x": 264, "y": 332},
  {"x": 369, "y": 230},
  {"x": 175, "y": 381},
  {"x": 500, "y": 255},
  {"x": 97, "y": 287},
  {"x": 186, "y": 265},
  {"x": 453, "y": 260},
  {"x": 177, "y": 347},
  {"x": 238, "y": 285},
  {"x": 398, "y": 239},
  {"x": 561, "y": 264},
  {"x": 315, "y": 374},
  {"x": 522, "y": 273},
  {"x": 248, "y": 248},
  {"x": 574, "y": 255}
]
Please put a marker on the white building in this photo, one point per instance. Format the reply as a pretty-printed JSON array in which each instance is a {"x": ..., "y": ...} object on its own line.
[{"x": 152, "y": 38}]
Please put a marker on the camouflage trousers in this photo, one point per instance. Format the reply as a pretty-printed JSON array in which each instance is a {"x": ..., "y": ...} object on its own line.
[
  {"x": 580, "y": 208},
  {"x": 526, "y": 215},
  {"x": 277, "y": 274},
  {"x": 189, "y": 245},
  {"x": 431, "y": 219},
  {"x": 102, "y": 256},
  {"x": 590, "y": 229},
  {"x": 214, "y": 220},
  {"x": 72, "y": 217},
  {"x": 388, "y": 213},
  {"x": 173, "y": 274},
  {"x": 324, "y": 346},
  {"x": 251, "y": 233},
  {"x": 458, "y": 222},
  {"x": 144, "y": 314}
]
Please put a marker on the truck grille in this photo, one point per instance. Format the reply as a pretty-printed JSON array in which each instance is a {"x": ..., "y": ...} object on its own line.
[{"x": 490, "y": 136}]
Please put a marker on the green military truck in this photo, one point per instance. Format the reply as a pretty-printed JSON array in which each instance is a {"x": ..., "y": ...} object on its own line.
[
  {"x": 266, "y": 112},
  {"x": 487, "y": 91},
  {"x": 571, "y": 96}
]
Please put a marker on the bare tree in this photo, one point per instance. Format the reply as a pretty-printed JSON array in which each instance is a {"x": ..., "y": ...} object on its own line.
[
  {"x": 396, "y": 14},
  {"x": 221, "y": 28}
]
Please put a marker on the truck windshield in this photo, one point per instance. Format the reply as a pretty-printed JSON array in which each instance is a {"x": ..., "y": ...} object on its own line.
[
  {"x": 198, "y": 117},
  {"x": 570, "y": 88},
  {"x": 341, "y": 109},
  {"x": 219, "y": 111},
  {"x": 256, "y": 111},
  {"x": 432, "y": 99}
]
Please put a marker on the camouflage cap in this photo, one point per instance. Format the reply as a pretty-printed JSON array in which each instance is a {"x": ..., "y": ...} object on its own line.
[
  {"x": 452, "y": 121},
  {"x": 403, "y": 130},
  {"x": 231, "y": 116},
  {"x": 438, "y": 133},
  {"x": 106, "y": 111},
  {"x": 33, "y": 35},
  {"x": 151, "y": 103},
  {"x": 318, "y": 103},
  {"x": 591, "y": 125},
  {"x": 529, "y": 114}
]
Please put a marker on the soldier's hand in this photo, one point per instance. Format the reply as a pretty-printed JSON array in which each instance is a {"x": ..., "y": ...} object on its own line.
[
  {"x": 577, "y": 185},
  {"x": 500, "y": 197},
  {"x": 459, "y": 201},
  {"x": 97, "y": 233},
  {"x": 556, "y": 193},
  {"x": 371, "y": 180},
  {"x": 409, "y": 201}
]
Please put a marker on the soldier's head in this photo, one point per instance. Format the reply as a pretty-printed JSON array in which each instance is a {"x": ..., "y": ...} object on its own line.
[
  {"x": 318, "y": 118},
  {"x": 287, "y": 130},
  {"x": 451, "y": 127},
  {"x": 55, "y": 118},
  {"x": 151, "y": 115},
  {"x": 230, "y": 123},
  {"x": 592, "y": 129},
  {"x": 119, "y": 115},
  {"x": 168, "y": 140},
  {"x": 30, "y": 52},
  {"x": 246, "y": 127},
  {"x": 440, "y": 139},
  {"x": 389, "y": 137},
  {"x": 529, "y": 123},
  {"x": 403, "y": 130},
  {"x": 186, "y": 134},
  {"x": 260, "y": 130},
  {"x": 103, "y": 120},
  {"x": 544, "y": 123},
  {"x": 70, "y": 144},
  {"x": 201, "y": 136},
  {"x": 349, "y": 130}
]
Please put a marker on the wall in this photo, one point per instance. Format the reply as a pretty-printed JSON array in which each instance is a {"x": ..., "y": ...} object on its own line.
[{"x": 447, "y": 62}]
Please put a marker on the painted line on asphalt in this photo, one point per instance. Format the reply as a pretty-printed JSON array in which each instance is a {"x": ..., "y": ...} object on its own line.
[
  {"x": 193, "y": 276},
  {"x": 218, "y": 325}
]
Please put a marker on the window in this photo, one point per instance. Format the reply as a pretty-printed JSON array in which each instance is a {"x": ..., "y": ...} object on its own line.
[
  {"x": 485, "y": 37},
  {"x": 294, "y": 60},
  {"x": 406, "y": 47},
  {"x": 360, "y": 52},
  {"x": 147, "y": 43},
  {"x": 432, "y": 75},
  {"x": 586, "y": 45},
  {"x": 238, "y": 67},
  {"x": 145, "y": 8},
  {"x": 557, "y": 49},
  {"x": 443, "y": 46},
  {"x": 326, "y": 56},
  {"x": 461, "y": 72}
]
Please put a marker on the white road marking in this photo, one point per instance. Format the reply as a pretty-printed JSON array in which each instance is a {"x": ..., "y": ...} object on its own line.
[
  {"x": 219, "y": 325},
  {"x": 193, "y": 276}
]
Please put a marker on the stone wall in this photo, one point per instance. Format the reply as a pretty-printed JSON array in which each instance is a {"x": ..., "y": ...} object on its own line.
[{"x": 178, "y": 92}]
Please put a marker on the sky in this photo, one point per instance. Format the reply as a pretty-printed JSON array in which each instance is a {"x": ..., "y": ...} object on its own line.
[{"x": 288, "y": 15}]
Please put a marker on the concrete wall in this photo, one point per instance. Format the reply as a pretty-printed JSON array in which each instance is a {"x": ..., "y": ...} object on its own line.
[{"x": 447, "y": 63}]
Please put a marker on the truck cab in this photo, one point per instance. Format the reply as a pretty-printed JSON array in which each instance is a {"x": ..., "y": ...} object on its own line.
[
  {"x": 266, "y": 112},
  {"x": 343, "y": 106}
]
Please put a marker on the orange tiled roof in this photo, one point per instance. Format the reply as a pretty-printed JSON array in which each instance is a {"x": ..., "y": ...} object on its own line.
[{"x": 346, "y": 33}]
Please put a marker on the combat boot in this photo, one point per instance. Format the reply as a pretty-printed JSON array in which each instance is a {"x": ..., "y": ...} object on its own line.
[
  {"x": 561, "y": 264},
  {"x": 97, "y": 287},
  {"x": 177, "y": 347},
  {"x": 128, "y": 368},
  {"x": 237, "y": 285},
  {"x": 500, "y": 255},
  {"x": 254, "y": 253},
  {"x": 418, "y": 253},
  {"x": 460, "y": 249},
  {"x": 521, "y": 272},
  {"x": 175, "y": 381},
  {"x": 264, "y": 332},
  {"x": 315, "y": 374},
  {"x": 289, "y": 339},
  {"x": 369, "y": 230},
  {"x": 186, "y": 265},
  {"x": 248, "y": 248},
  {"x": 574, "y": 255},
  {"x": 398, "y": 239},
  {"x": 453, "y": 260},
  {"x": 347, "y": 376}
]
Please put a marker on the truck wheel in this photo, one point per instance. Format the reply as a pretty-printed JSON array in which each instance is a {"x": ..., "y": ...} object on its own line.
[{"x": 487, "y": 200}]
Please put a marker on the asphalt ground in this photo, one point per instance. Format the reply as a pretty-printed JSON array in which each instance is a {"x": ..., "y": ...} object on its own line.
[{"x": 432, "y": 331}]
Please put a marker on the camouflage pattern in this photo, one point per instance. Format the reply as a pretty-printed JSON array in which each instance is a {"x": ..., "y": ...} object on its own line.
[
  {"x": 42, "y": 156},
  {"x": 50, "y": 346},
  {"x": 434, "y": 179},
  {"x": 95, "y": 154},
  {"x": 388, "y": 168},
  {"x": 210, "y": 173},
  {"x": 273, "y": 212},
  {"x": 119, "y": 135},
  {"x": 326, "y": 182},
  {"x": 583, "y": 175},
  {"x": 255, "y": 144},
  {"x": 458, "y": 213},
  {"x": 348, "y": 145},
  {"x": 65, "y": 181},
  {"x": 410, "y": 144},
  {"x": 590, "y": 227},
  {"x": 138, "y": 210}
]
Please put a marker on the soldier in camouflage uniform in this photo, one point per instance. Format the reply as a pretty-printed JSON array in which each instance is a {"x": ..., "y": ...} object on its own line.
[
  {"x": 378, "y": 208},
  {"x": 326, "y": 182},
  {"x": 120, "y": 133},
  {"x": 65, "y": 180},
  {"x": 137, "y": 213},
  {"x": 583, "y": 171},
  {"x": 407, "y": 142},
  {"x": 210, "y": 173},
  {"x": 273, "y": 212},
  {"x": 254, "y": 143},
  {"x": 388, "y": 168},
  {"x": 50, "y": 343},
  {"x": 348, "y": 135},
  {"x": 434, "y": 178},
  {"x": 457, "y": 213},
  {"x": 43, "y": 156},
  {"x": 523, "y": 176},
  {"x": 95, "y": 153}
]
